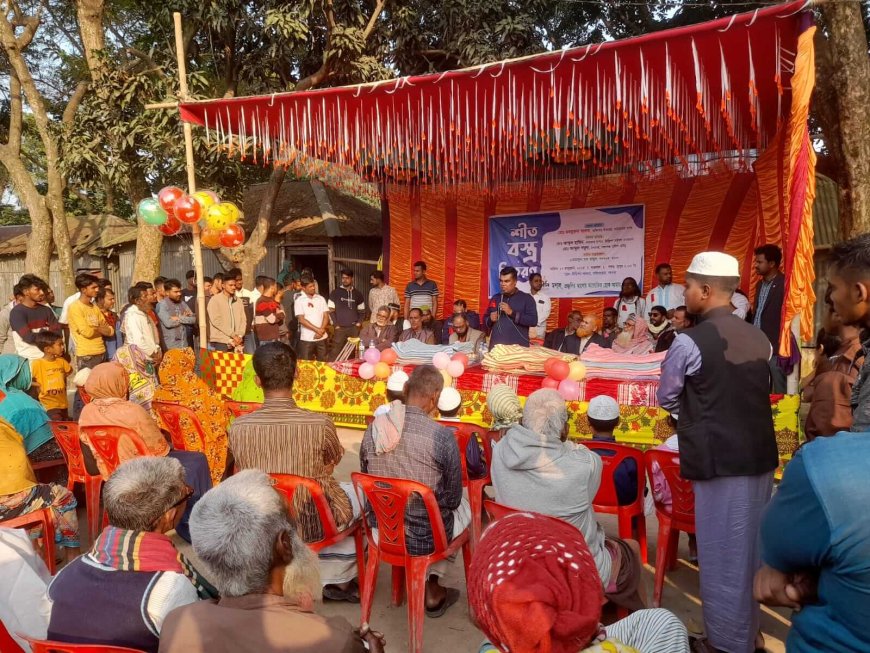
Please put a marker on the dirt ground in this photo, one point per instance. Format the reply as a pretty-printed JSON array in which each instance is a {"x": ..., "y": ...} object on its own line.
[{"x": 455, "y": 631}]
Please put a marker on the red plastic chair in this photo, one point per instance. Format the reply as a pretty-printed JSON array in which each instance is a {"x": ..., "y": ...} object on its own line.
[
  {"x": 67, "y": 436},
  {"x": 496, "y": 511},
  {"x": 239, "y": 408},
  {"x": 170, "y": 415},
  {"x": 631, "y": 517},
  {"x": 7, "y": 644},
  {"x": 288, "y": 484},
  {"x": 32, "y": 520},
  {"x": 463, "y": 434},
  {"x": 679, "y": 517},
  {"x": 104, "y": 442},
  {"x": 45, "y": 646},
  {"x": 388, "y": 498}
]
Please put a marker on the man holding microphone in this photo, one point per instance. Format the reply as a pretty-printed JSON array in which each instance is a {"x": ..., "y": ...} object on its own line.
[{"x": 511, "y": 313}]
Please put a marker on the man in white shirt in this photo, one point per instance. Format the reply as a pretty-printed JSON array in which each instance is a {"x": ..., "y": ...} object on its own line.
[
  {"x": 313, "y": 315},
  {"x": 542, "y": 304},
  {"x": 667, "y": 293},
  {"x": 139, "y": 328}
]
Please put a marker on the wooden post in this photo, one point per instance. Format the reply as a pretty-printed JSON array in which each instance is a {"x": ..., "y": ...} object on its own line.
[{"x": 191, "y": 182}]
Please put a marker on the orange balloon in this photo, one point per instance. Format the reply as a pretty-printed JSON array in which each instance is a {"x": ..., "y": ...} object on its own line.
[
  {"x": 210, "y": 238},
  {"x": 560, "y": 370},
  {"x": 382, "y": 370},
  {"x": 389, "y": 356}
]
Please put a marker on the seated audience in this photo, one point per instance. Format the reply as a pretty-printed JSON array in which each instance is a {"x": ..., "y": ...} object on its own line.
[
  {"x": 20, "y": 494},
  {"x": 635, "y": 339},
  {"x": 267, "y": 577},
  {"x": 432, "y": 324},
  {"x": 142, "y": 372},
  {"x": 472, "y": 319},
  {"x": 565, "y": 340},
  {"x": 395, "y": 392},
  {"x": 610, "y": 329},
  {"x": 603, "y": 416},
  {"x": 449, "y": 404},
  {"x": 50, "y": 373},
  {"x": 108, "y": 385},
  {"x": 504, "y": 406},
  {"x": 26, "y": 611},
  {"x": 120, "y": 592},
  {"x": 395, "y": 309},
  {"x": 379, "y": 331},
  {"x": 533, "y": 587},
  {"x": 408, "y": 443},
  {"x": 281, "y": 438},
  {"x": 815, "y": 546},
  {"x": 463, "y": 332},
  {"x": 587, "y": 333},
  {"x": 416, "y": 331},
  {"x": 22, "y": 411},
  {"x": 534, "y": 468},
  {"x": 180, "y": 384},
  {"x": 658, "y": 322}
]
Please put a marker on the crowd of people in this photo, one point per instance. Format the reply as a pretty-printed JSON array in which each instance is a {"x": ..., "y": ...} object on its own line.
[{"x": 805, "y": 548}]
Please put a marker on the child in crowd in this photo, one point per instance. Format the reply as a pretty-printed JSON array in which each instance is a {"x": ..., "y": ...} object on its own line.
[
  {"x": 50, "y": 373},
  {"x": 268, "y": 315},
  {"x": 449, "y": 404}
]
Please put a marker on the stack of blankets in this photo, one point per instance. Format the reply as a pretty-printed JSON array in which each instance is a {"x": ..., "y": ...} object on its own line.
[
  {"x": 514, "y": 359},
  {"x": 606, "y": 364},
  {"x": 414, "y": 352}
]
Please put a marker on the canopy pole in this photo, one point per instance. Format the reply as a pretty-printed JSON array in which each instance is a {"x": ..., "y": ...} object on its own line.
[{"x": 191, "y": 182}]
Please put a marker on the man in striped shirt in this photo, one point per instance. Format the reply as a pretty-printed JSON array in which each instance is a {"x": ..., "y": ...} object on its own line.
[
  {"x": 281, "y": 438},
  {"x": 421, "y": 291}
]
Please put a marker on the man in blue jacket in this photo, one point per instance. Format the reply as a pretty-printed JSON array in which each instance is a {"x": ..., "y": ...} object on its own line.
[{"x": 510, "y": 313}]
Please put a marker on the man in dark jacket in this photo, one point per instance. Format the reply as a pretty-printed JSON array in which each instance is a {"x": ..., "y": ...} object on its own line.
[
  {"x": 565, "y": 340},
  {"x": 715, "y": 381},
  {"x": 347, "y": 307},
  {"x": 510, "y": 313},
  {"x": 769, "y": 296}
]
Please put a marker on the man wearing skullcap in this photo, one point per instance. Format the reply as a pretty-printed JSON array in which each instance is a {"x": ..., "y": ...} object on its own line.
[
  {"x": 533, "y": 587},
  {"x": 715, "y": 381}
]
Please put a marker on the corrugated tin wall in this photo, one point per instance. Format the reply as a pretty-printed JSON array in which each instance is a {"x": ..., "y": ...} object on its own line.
[
  {"x": 12, "y": 267},
  {"x": 359, "y": 249}
]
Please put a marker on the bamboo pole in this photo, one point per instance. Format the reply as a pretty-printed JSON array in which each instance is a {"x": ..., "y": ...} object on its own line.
[{"x": 191, "y": 182}]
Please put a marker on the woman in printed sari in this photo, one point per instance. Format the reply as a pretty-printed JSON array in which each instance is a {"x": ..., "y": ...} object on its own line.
[
  {"x": 20, "y": 494},
  {"x": 179, "y": 384},
  {"x": 108, "y": 386},
  {"x": 635, "y": 338},
  {"x": 140, "y": 368},
  {"x": 24, "y": 412}
]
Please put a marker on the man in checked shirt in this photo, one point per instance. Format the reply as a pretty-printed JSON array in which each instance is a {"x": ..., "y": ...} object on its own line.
[{"x": 425, "y": 452}]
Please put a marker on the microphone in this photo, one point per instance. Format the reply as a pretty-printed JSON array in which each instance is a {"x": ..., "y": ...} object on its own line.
[{"x": 500, "y": 302}]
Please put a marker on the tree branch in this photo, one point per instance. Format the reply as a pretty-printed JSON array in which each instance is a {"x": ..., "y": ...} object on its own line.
[
  {"x": 66, "y": 32},
  {"x": 379, "y": 7},
  {"x": 69, "y": 113},
  {"x": 15, "y": 115}
]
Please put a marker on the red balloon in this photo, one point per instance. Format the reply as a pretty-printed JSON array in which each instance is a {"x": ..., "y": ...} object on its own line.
[
  {"x": 459, "y": 356},
  {"x": 560, "y": 370},
  {"x": 168, "y": 196},
  {"x": 187, "y": 209},
  {"x": 171, "y": 227},
  {"x": 389, "y": 356},
  {"x": 232, "y": 236},
  {"x": 551, "y": 383},
  {"x": 549, "y": 363}
]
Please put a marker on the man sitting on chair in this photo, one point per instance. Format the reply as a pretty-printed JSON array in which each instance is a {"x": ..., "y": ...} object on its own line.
[{"x": 566, "y": 340}]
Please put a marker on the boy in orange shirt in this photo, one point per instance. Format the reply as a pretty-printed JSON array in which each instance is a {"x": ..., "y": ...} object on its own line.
[{"x": 50, "y": 373}]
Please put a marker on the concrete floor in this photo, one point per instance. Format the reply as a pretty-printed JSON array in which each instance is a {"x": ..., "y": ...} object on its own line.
[{"x": 455, "y": 631}]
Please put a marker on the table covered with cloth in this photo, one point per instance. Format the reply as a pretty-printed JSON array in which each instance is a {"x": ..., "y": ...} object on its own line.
[{"x": 336, "y": 389}]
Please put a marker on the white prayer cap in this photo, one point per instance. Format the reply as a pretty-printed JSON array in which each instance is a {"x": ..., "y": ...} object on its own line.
[
  {"x": 714, "y": 264},
  {"x": 81, "y": 377},
  {"x": 603, "y": 408},
  {"x": 397, "y": 380},
  {"x": 449, "y": 400}
]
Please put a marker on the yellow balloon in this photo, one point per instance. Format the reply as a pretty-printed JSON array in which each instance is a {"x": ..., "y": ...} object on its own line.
[
  {"x": 448, "y": 380},
  {"x": 232, "y": 211},
  {"x": 576, "y": 371},
  {"x": 206, "y": 199},
  {"x": 220, "y": 216}
]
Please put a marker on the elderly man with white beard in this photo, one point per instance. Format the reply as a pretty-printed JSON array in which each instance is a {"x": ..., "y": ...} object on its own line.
[{"x": 267, "y": 576}]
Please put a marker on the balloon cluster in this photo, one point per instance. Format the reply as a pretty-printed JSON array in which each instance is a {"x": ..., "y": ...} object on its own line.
[
  {"x": 564, "y": 377},
  {"x": 377, "y": 363},
  {"x": 174, "y": 208},
  {"x": 450, "y": 367}
]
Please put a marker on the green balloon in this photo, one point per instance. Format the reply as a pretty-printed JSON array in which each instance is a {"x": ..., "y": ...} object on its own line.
[{"x": 151, "y": 212}]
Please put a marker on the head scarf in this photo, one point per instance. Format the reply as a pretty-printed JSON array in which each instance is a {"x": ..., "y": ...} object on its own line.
[
  {"x": 533, "y": 586},
  {"x": 248, "y": 389},
  {"x": 504, "y": 404},
  {"x": 108, "y": 381},
  {"x": 140, "y": 367},
  {"x": 16, "y": 474},
  {"x": 22, "y": 411},
  {"x": 179, "y": 384},
  {"x": 640, "y": 342}
]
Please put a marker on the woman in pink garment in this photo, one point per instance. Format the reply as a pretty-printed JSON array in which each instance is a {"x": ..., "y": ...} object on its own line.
[{"x": 635, "y": 338}]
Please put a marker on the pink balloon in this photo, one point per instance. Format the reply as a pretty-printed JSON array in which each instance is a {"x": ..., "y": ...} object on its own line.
[
  {"x": 551, "y": 383},
  {"x": 455, "y": 368},
  {"x": 366, "y": 371},
  {"x": 462, "y": 358},
  {"x": 372, "y": 355},
  {"x": 559, "y": 370},
  {"x": 570, "y": 390},
  {"x": 441, "y": 360}
]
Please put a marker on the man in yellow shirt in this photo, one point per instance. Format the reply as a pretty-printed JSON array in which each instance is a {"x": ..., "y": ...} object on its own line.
[{"x": 87, "y": 324}]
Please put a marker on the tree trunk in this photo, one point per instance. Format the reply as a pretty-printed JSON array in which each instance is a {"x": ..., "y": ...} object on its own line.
[
  {"x": 149, "y": 241},
  {"x": 845, "y": 74},
  {"x": 90, "y": 18},
  {"x": 253, "y": 251}
]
